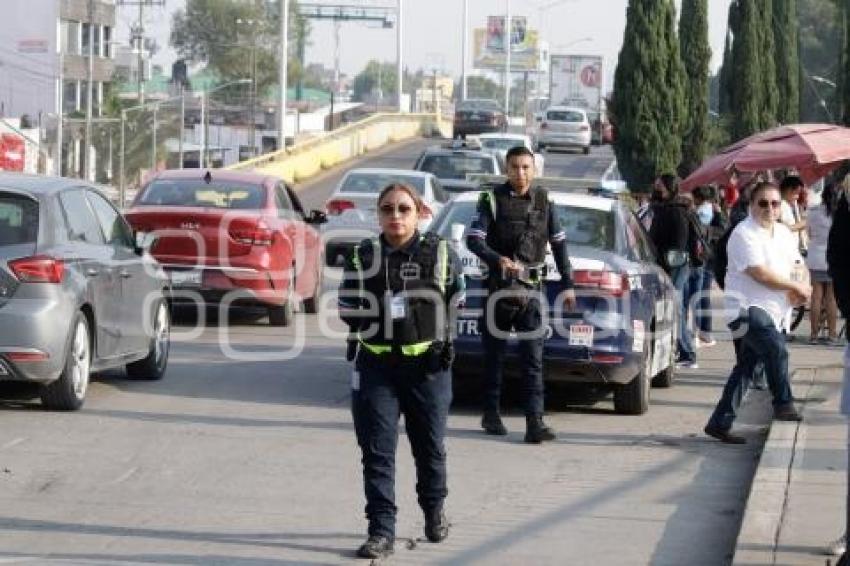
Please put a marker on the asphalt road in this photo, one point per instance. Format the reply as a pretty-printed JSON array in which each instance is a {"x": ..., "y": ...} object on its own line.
[{"x": 244, "y": 454}]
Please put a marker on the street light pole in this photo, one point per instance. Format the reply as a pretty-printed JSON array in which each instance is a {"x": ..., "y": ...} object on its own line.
[
  {"x": 464, "y": 50},
  {"x": 284, "y": 43},
  {"x": 507, "y": 43},
  {"x": 182, "y": 122},
  {"x": 202, "y": 152},
  {"x": 60, "y": 113},
  {"x": 122, "y": 188},
  {"x": 153, "y": 139},
  {"x": 400, "y": 71},
  {"x": 89, "y": 93}
]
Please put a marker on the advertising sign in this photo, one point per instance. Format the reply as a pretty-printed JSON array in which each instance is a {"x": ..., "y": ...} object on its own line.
[
  {"x": 576, "y": 80},
  {"x": 489, "y": 45}
]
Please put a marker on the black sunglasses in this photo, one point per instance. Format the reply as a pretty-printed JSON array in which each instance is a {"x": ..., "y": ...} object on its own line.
[{"x": 764, "y": 203}]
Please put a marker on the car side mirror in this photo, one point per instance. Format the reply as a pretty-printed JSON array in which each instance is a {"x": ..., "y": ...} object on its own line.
[
  {"x": 144, "y": 242},
  {"x": 317, "y": 217}
]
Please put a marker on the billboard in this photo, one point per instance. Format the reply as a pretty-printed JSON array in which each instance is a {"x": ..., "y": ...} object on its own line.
[
  {"x": 489, "y": 45},
  {"x": 576, "y": 80}
]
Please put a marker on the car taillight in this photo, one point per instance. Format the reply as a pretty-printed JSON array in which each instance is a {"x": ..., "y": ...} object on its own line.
[
  {"x": 259, "y": 235},
  {"x": 426, "y": 212},
  {"x": 38, "y": 269},
  {"x": 28, "y": 356},
  {"x": 338, "y": 206},
  {"x": 584, "y": 128},
  {"x": 606, "y": 281},
  {"x": 543, "y": 125}
]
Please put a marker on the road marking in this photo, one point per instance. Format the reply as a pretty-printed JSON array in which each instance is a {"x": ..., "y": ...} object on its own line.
[
  {"x": 126, "y": 475},
  {"x": 12, "y": 443}
]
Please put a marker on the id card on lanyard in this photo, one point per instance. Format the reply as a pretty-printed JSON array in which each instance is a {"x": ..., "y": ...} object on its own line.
[{"x": 398, "y": 307}]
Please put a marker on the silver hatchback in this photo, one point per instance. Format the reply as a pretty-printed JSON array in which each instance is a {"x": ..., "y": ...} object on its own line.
[{"x": 76, "y": 293}]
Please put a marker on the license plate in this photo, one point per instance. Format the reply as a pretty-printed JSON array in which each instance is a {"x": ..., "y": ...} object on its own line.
[
  {"x": 581, "y": 335},
  {"x": 186, "y": 278}
]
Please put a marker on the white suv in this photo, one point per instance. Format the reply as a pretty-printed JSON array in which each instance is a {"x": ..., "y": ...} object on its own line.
[{"x": 564, "y": 126}]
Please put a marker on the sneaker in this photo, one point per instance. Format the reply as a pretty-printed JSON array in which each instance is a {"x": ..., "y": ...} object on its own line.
[
  {"x": 536, "y": 430},
  {"x": 786, "y": 412},
  {"x": 491, "y": 422},
  {"x": 687, "y": 365},
  {"x": 376, "y": 547},
  {"x": 706, "y": 341},
  {"x": 814, "y": 341},
  {"x": 837, "y": 547},
  {"x": 436, "y": 526}
]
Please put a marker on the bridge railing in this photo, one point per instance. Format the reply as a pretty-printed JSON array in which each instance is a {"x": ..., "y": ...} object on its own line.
[{"x": 301, "y": 161}]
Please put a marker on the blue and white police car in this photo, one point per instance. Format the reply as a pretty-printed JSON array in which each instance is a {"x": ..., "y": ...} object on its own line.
[{"x": 622, "y": 332}]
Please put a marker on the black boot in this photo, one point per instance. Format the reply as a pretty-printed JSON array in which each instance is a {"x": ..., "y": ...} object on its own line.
[
  {"x": 491, "y": 422},
  {"x": 376, "y": 547},
  {"x": 536, "y": 430},
  {"x": 436, "y": 526}
]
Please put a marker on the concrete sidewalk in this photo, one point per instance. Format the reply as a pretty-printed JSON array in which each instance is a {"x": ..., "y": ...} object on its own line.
[{"x": 796, "y": 504}]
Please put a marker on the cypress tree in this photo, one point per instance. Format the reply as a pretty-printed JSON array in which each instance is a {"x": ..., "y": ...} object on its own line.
[
  {"x": 767, "y": 64},
  {"x": 746, "y": 116},
  {"x": 648, "y": 102},
  {"x": 785, "y": 32},
  {"x": 696, "y": 57},
  {"x": 844, "y": 73},
  {"x": 726, "y": 84}
]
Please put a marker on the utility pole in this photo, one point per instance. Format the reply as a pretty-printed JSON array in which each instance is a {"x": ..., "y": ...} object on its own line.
[
  {"x": 60, "y": 113},
  {"x": 182, "y": 122},
  {"x": 284, "y": 64},
  {"x": 89, "y": 94},
  {"x": 137, "y": 38},
  {"x": 508, "y": 39},
  {"x": 153, "y": 138},
  {"x": 464, "y": 50}
]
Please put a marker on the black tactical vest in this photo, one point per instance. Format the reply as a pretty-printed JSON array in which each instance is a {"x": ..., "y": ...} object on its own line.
[
  {"x": 423, "y": 270},
  {"x": 521, "y": 226}
]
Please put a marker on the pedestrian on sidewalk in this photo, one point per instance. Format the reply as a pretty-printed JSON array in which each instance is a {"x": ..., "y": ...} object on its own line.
[
  {"x": 671, "y": 234},
  {"x": 823, "y": 298},
  {"x": 837, "y": 252},
  {"x": 760, "y": 288},
  {"x": 790, "y": 214},
  {"x": 395, "y": 298}
]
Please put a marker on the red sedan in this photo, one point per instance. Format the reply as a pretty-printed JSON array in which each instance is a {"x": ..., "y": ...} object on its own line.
[{"x": 226, "y": 236}]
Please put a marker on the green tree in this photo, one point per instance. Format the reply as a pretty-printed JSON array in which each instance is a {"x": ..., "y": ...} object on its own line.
[
  {"x": 374, "y": 76},
  {"x": 482, "y": 87},
  {"x": 696, "y": 56},
  {"x": 727, "y": 84},
  {"x": 820, "y": 40},
  {"x": 207, "y": 31},
  {"x": 746, "y": 111},
  {"x": 648, "y": 104},
  {"x": 768, "y": 91},
  {"x": 787, "y": 61}
]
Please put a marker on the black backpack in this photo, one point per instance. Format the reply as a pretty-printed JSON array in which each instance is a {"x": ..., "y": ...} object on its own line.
[{"x": 721, "y": 258}]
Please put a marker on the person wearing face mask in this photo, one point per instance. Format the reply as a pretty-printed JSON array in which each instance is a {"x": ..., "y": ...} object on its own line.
[
  {"x": 712, "y": 226},
  {"x": 397, "y": 295},
  {"x": 761, "y": 288}
]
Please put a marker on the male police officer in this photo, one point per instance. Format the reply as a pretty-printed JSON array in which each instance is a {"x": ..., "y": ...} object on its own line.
[{"x": 509, "y": 233}]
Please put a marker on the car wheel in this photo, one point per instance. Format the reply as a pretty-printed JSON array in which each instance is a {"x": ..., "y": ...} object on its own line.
[
  {"x": 282, "y": 315},
  {"x": 311, "y": 304},
  {"x": 633, "y": 397},
  {"x": 69, "y": 391},
  {"x": 152, "y": 367}
]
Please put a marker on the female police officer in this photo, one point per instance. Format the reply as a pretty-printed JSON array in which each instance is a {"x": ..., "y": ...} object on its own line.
[{"x": 396, "y": 295}]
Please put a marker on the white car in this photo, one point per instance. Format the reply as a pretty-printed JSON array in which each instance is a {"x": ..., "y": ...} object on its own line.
[
  {"x": 499, "y": 143},
  {"x": 352, "y": 208},
  {"x": 564, "y": 126}
]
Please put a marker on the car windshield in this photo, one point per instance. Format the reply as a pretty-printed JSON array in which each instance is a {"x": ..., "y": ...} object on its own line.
[
  {"x": 197, "y": 192},
  {"x": 584, "y": 226},
  {"x": 565, "y": 116},
  {"x": 18, "y": 220},
  {"x": 501, "y": 143},
  {"x": 374, "y": 183},
  {"x": 490, "y": 105},
  {"x": 457, "y": 166}
]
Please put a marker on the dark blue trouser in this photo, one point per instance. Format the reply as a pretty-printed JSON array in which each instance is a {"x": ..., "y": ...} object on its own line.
[
  {"x": 686, "y": 352},
  {"x": 531, "y": 358},
  {"x": 699, "y": 283},
  {"x": 386, "y": 392},
  {"x": 761, "y": 342}
]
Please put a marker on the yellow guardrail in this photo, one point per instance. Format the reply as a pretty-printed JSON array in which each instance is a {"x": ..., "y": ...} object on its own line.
[{"x": 301, "y": 161}]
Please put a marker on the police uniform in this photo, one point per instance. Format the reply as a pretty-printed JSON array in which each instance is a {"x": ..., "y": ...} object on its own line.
[
  {"x": 396, "y": 303},
  {"x": 519, "y": 228}
]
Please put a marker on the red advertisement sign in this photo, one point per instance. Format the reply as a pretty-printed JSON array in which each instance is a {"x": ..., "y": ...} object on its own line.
[{"x": 13, "y": 152}]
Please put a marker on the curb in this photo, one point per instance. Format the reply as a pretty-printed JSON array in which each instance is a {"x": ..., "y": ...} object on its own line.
[{"x": 767, "y": 502}]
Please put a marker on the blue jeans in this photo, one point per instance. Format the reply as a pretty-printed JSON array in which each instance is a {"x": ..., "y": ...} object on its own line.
[
  {"x": 385, "y": 393},
  {"x": 699, "y": 282},
  {"x": 686, "y": 352},
  {"x": 761, "y": 342},
  {"x": 531, "y": 358}
]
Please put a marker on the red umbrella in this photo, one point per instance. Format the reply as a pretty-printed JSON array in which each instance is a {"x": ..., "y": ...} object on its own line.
[{"x": 812, "y": 149}]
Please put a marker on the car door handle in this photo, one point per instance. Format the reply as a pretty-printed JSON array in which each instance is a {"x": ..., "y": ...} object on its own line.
[
  {"x": 90, "y": 272},
  {"x": 125, "y": 274}
]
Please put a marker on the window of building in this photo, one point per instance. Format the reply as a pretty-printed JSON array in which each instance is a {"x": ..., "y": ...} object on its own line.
[
  {"x": 97, "y": 43},
  {"x": 70, "y": 34},
  {"x": 84, "y": 95},
  {"x": 69, "y": 96},
  {"x": 107, "y": 42},
  {"x": 86, "y": 38}
]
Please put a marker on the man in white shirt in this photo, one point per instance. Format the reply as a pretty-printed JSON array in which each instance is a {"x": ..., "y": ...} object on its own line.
[
  {"x": 791, "y": 188},
  {"x": 761, "y": 290}
]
